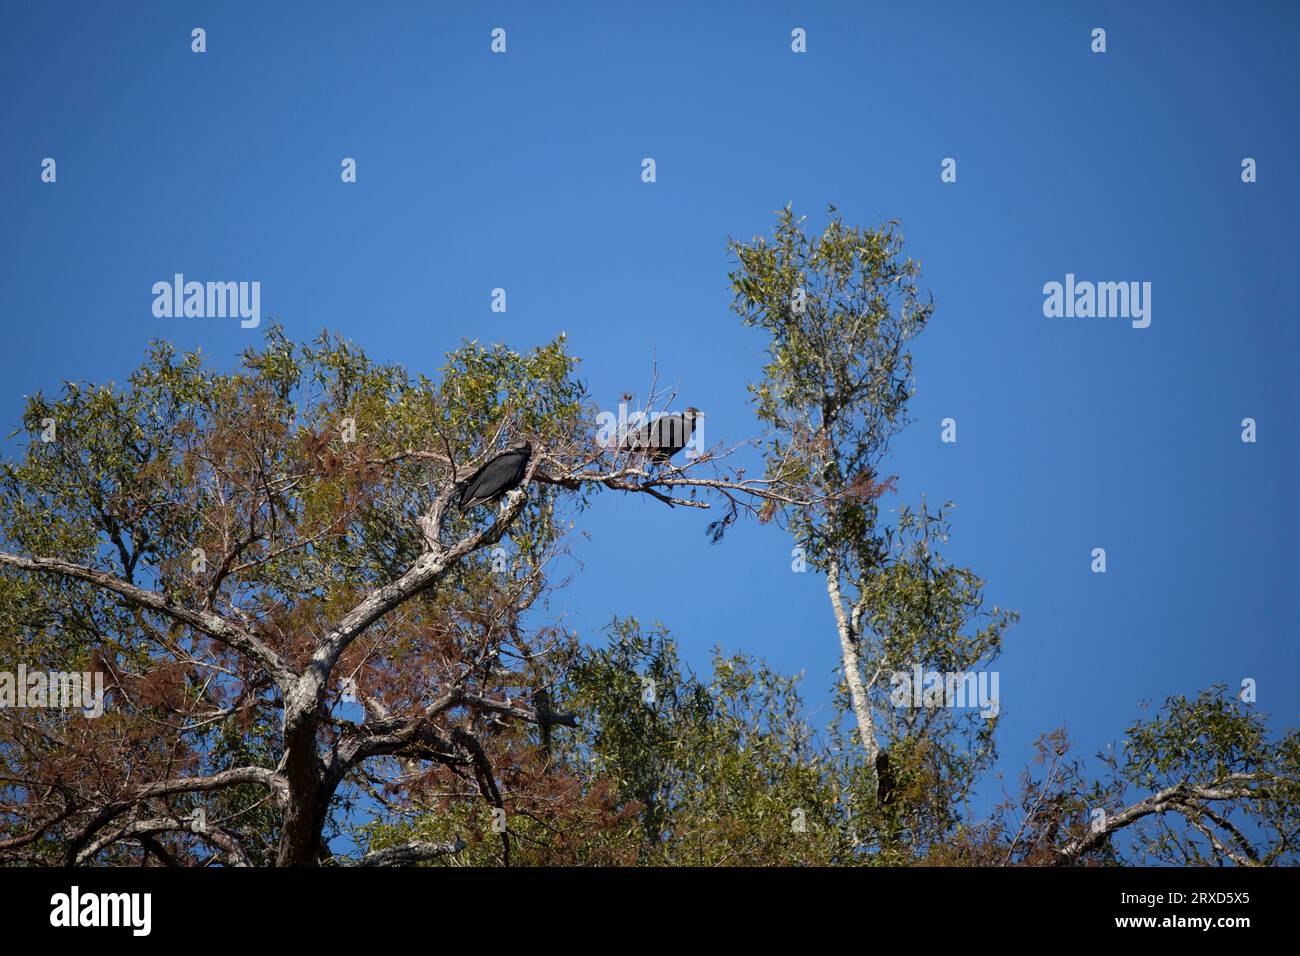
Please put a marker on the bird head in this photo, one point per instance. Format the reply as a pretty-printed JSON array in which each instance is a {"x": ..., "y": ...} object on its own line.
[{"x": 524, "y": 446}]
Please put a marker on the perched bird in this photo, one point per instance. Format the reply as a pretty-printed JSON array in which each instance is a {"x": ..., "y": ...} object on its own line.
[
  {"x": 665, "y": 436},
  {"x": 884, "y": 779},
  {"x": 499, "y": 475},
  {"x": 542, "y": 707}
]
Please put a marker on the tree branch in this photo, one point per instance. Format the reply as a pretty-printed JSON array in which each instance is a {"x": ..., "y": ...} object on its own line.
[
  {"x": 413, "y": 852},
  {"x": 206, "y": 622},
  {"x": 1179, "y": 797}
]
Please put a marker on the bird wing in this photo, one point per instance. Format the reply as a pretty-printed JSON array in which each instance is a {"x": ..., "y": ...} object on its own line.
[
  {"x": 640, "y": 438},
  {"x": 670, "y": 434},
  {"x": 499, "y": 474},
  {"x": 467, "y": 485}
]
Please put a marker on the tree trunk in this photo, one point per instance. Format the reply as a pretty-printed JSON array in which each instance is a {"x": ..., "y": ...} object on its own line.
[
  {"x": 304, "y": 818},
  {"x": 851, "y": 659}
]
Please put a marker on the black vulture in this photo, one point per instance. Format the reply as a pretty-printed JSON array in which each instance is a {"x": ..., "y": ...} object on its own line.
[
  {"x": 884, "y": 779},
  {"x": 542, "y": 707},
  {"x": 499, "y": 475},
  {"x": 665, "y": 436}
]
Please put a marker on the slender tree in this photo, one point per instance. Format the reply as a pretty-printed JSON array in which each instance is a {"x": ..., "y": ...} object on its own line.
[{"x": 840, "y": 310}]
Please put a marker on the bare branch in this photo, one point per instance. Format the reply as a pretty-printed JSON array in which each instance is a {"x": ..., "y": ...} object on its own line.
[
  {"x": 413, "y": 852},
  {"x": 1180, "y": 797},
  {"x": 206, "y": 622}
]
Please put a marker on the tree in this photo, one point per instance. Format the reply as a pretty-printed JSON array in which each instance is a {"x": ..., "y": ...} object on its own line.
[
  {"x": 840, "y": 310},
  {"x": 312, "y": 656},
  {"x": 670, "y": 768},
  {"x": 721, "y": 772},
  {"x": 290, "y": 619}
]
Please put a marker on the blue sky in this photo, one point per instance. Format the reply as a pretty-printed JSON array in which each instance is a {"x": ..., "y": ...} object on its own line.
[{"x": 523, "y": 171}]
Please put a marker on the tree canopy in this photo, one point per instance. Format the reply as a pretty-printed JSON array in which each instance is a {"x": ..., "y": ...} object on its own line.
[{"x": 312, "y": 655}]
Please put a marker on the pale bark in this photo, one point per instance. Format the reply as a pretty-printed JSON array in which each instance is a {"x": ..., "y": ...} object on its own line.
[
  {"x": 408, "y": 853},
  {"x": 851, "y": 659},
  {"x": 1182, "y": 797},
  {"x": 231, "y": 850}
]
